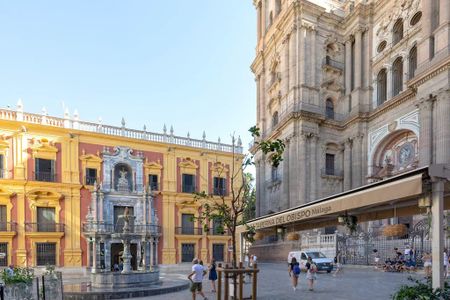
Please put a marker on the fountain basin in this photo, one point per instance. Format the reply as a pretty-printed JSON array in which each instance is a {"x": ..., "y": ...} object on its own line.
[{"x": 120, "y": 280}]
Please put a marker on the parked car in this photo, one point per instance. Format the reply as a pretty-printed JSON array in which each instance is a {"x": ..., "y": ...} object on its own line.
[{"x": 322, "y": 262}]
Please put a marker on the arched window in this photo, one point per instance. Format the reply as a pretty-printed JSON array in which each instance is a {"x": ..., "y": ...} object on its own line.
[
  {"x": 329, "y": 109},
  {"x": 277, "y": 7},
  {"x": 412, "y": 62},
  {"x": 275, "y": 119},
  {"x": 397, "y": 76},
  {"x": 397, "y": 33},
  {"x": 416, "y": 18},
  {"x": 381, "y": 46},
  {"x": 381, "y": 87}
]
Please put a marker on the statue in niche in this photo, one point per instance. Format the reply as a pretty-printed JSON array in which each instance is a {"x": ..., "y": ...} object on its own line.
[{"x": 122, "y": 183}]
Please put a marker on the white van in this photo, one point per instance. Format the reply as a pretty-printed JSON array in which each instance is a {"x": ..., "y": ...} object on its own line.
[{"x": 322, "y": 262}]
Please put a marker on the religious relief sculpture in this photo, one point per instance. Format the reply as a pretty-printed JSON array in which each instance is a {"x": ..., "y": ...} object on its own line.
[{"x": 122, "y": 182}]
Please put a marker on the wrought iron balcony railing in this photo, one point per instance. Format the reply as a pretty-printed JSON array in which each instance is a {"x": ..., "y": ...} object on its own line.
[
  {"x": 220, "y": 191},
  {"x": 154, "y": 186},
  {"x": 188, "y": 189},
  {"x": 188, "y": 230},
  {"x": 44, "y": 227},
  {"x": 8, "y": 226},
  {"x": 45, "y": 176},
  {"x": 215, "y": 231},
  {"x": 90, "y": 180},
  {"x": 148, "y": 229}
]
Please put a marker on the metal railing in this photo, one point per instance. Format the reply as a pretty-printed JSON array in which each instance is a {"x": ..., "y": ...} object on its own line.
[
  {"x": 188, "y": 188},
  {"x": 327, "y": 61},
  {"x": 3, "y": 173},
  {"x": 91, "y": 180},
  {"x": 188, "y": 230},
  {"x": 154, "y": 186},
  {"x": 215, "y": 231},
  {"x": 74, "y": 123},
  {"x": 45, "y": 176},
  {"x": 44, "y": 227},
  {"x": 99, "y": 227},
  {"x": 148, "y": 229},
  {"x": 220, "y": 191},
  {"x": 8, "y": 226}
]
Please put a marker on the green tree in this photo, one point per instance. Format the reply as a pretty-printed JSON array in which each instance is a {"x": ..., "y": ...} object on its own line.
[{"x": 238, "y": 207}]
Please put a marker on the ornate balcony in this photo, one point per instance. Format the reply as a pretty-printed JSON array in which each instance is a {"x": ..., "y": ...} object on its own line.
[
  {"x": 44, "y": 227},
  {"x": 45, "y": 176},
  {"x": 188, "y": 231}
]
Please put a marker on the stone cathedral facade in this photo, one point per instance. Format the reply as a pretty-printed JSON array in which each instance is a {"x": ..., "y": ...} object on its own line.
[{"x": 358, "y": 91}]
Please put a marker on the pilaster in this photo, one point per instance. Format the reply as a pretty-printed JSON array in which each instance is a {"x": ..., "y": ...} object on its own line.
[
  {"x": 442, "y": 126},
  {"x": 425, "y": 106},
  {"x": 348, "y": 164}
]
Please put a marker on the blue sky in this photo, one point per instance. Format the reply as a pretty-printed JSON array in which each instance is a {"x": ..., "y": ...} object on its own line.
[{"x": 179, "y": 62}]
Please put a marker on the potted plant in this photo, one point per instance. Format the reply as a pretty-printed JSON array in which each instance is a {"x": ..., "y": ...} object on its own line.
[{"x": 19, "y": 284}]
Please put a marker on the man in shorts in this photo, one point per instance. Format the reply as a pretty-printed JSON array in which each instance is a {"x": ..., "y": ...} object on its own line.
[{"x": 196, "y": 278}]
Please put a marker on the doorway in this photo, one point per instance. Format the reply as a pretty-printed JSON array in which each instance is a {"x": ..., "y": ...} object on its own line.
[
  {"x": 117, "y": 251},
  {"x": 218, "y": 250}
]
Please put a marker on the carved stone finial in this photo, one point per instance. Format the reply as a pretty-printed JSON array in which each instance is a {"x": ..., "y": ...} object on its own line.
[
  {"x": 145, "y": 128},
  {"x": 20, "y": 105},
  {"x": 218, "y": 140},
  {"x": 76, "y": 116},
  {"x": 204, "y": 135},
  {"x": 164, "y": 129},
  {"x": 171, "y": 130},
  {"x": 239, "y": 142},
  {"x": 66, "y": 113},
  {"x": 123, "y": 122},
  {"x": 188, "y": 135}
]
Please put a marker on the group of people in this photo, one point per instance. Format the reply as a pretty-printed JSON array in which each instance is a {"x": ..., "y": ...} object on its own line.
[
  {"x": 400, "y": 262},
  {"x": 197, "y": 274},
  {"x": 295, "y": 270}
]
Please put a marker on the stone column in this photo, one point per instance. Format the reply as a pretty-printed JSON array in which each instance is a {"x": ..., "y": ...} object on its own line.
[
  {"x": 262, "y": 184},
  {"x": 258, "y": 22},
  {"x": 258, "y": 188},
  {"x": 367, "y": 55},
  {"x": 314, "y": 168},
  {"x": 262, "y": 100},
  {"x": 107, "y": 255},
  {"x": 442, "y": 126},
  {"x": 302, "y": 149},
  {"x": 294, "y": 172},
  {"x": 348, "y": 66},
  {"x": 426, "y": 131},
  {"x": 405, "y": 76},
  {"x": 285, "y": 195},
  {"x": 88, "y": 253},
  {"x": 348, "y": 164},
  {"x": 285, "y": 68},
  {"x": 389, "y": 83},
  {"x": 293, "y": 58},
  {"x": 301, "y": 57},
  {"x": 313, "y": 56},
  {"x": 437, "y": 232},
  {"x": 258, "y": 101},
  {"x": 156, "y": 253},
  {"x": 152, "y": 255},
  {"x": 139, "y": 256},
  {"x": 358, "y": 60},
  {"x": 356, "y": 161},
  {"x": 95, "y": 259}
]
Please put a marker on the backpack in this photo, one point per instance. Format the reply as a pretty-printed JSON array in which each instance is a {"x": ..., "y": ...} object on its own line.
[{"x": 296, "y": 269}]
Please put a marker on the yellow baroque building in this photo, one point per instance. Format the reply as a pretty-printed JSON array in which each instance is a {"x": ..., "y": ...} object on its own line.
[{"x": 56, "y": 174}]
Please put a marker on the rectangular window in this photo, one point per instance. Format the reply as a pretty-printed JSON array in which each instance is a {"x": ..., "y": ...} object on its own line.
[
  {"x": 91, "y": 176},
  {"x": 153, "y": 182},
  {"x": 46, "y": 254},
  {"x": 4, "y": 252},
  {"x": 218, "y": 250},
  {"x": 44, "y": 169},
  {"x": 218, "y": 227},
  {"x": 188, "y": 183},
  {"x": 220, "y": 186},
  {"x": 329, "y": 164},
  {"x": 46, "y": 219},
  {"x": 187, "y": 224},
  {"x": 2, "y": 166},
  {"x": 3, "y": 220}
]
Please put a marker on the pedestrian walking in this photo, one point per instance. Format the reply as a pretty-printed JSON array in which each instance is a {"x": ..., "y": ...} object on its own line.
[
  {"x": 254, "y": 259},
  {"x": 427, "y": 264},
  {"x": 376, "y": 258},
  {"x": 311, "y": 273},
  {"x": 445, "y": 263},
  {"x": 196, "y": 278},
  {"x": 294, "y": 272},
  {"x": 213, "y": 275},
  {"x": 338, "y": 264}
]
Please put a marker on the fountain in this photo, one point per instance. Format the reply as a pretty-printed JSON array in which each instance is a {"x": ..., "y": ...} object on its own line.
[{"x": 127, "y": 277}]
